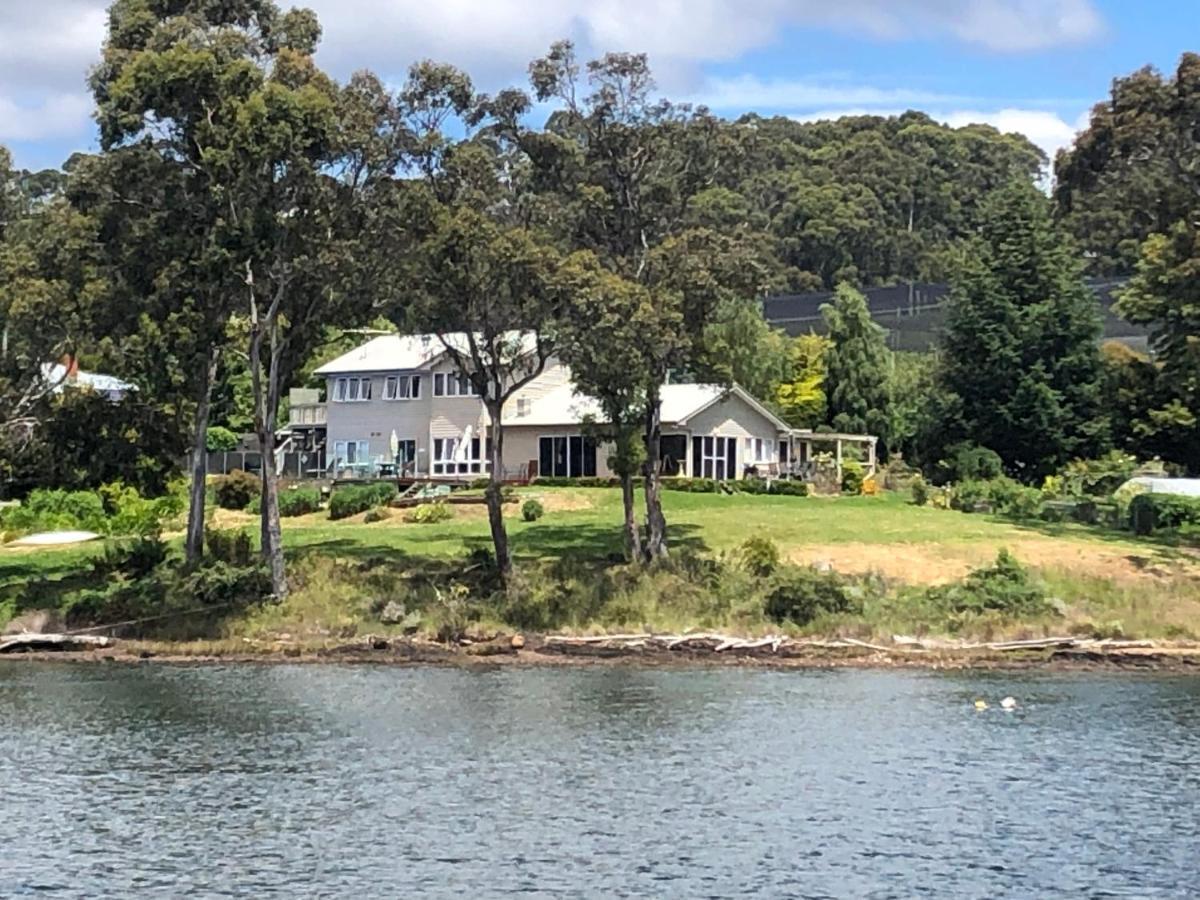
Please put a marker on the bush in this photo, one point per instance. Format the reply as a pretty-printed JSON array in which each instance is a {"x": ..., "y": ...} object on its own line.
[
  {"x": 429, "y": 513},
  {"x": 1001, "y": 495},
  {"x": 920, "y": 491},
  {"x": 237, "y": 489},
  {"x": 379, "y": 514},
  {"x": 220, "y": 440},
  {"x": 690, "y": 485},
  {"x": 358, "y": 498},
  {"x": 799, "y": 594},
  {"x": 1153, "y": 513},
  {"x": 759, "y": 556},
  {"x": 968, "y": 462},
  {"x": 763, "y": 486},
  {"x": 853, "y": 475},
  {"x": 232, "y": 547},
  {"x": 1097, "y": 477},
  {"x": 132, "y": 514},
  {"x": 56, "y": 510},
  {"x": 532, "y": 510},
  {"x": 299, "y": 501},
  {"x": 1005, "y": 587}
]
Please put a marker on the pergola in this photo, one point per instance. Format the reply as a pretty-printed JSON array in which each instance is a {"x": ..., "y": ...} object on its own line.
[{"x": 803, "y": 441}]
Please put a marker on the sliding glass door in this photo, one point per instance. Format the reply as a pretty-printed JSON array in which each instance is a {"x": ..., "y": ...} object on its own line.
[{"x": 568, "y": 456}]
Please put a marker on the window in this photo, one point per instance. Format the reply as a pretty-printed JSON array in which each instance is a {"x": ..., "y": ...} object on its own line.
[
  {"x": 714, "y": 457},
  {"x": 350, "y": 453},
  {"x": 523, "y": 404},
  {"x": 450, "y": 384},
  {"x": 348, "y": 390},
  {"x": 571, "y": 456},
  {"x": 454, "y": 456},
  {"x": 759, "y": 451},
  {"x": 402, "y": 387},
  {"x": 406, "y": 455}
]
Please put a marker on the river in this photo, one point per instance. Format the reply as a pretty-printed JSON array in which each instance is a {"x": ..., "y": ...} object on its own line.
[{"x": 305, "y": 781}]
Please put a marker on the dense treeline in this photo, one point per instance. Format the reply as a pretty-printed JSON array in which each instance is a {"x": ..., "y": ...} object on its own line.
[{"x": 245, "y": 206}]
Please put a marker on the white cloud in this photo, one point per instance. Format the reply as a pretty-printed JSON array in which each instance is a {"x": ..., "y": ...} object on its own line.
[
  {"x": 749, "y": 92},
  {"x": 49, "y": 117}
]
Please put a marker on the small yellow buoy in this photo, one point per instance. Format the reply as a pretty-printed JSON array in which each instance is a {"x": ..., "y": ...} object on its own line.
[{"x": 981, "y": 704}]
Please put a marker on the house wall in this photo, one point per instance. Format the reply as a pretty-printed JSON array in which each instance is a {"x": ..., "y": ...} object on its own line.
[
  {"x": 731, "y": 417},
  {"x": 521, "y": 446}
]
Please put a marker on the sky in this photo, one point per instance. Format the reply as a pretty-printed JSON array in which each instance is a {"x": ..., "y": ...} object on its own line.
[{"x": 1030, "y": 66}]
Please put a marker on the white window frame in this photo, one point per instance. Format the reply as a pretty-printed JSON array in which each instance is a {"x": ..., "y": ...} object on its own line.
[
  {"x": 568, "y": 437},
  {"x": 453, "y": 384},
  {"x": 342, "y": 452},
  {"x": 446, "y": 462},
  {"x": 718, "y": 454},
  {"x": 402, "y": 387},
  {"x": 352, "y": 389},
  {"x": 760, "y": 451}
]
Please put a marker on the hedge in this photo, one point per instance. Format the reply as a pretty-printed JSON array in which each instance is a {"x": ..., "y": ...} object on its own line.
[
  {"x": 1149, "y": 513},
  {"x": 358, "y": 498}
]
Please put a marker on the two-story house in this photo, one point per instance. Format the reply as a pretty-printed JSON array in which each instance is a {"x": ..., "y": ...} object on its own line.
[{"x": 399, "y": 400}]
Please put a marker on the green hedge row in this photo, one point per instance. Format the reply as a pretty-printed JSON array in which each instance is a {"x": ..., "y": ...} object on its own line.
[
  {"x": 1151, "y": 513},
  {"x": 358, "y": 498}
]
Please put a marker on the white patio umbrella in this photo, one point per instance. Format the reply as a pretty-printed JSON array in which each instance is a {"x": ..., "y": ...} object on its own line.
[
  {"x": 394, "y": 445},
  {"x": 463, "y": 454}
]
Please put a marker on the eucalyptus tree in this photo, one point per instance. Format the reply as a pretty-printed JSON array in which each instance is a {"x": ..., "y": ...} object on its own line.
[{"x": 623, "y": 169}]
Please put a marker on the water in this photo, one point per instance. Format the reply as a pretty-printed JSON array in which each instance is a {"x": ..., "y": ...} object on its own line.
[{"x": 594, "y": 782}]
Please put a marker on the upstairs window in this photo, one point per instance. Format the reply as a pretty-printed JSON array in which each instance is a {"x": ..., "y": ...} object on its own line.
[
  {"x": 402, "y": 387},
  {"x": 451, "y": 384},
  {"x": 351, "y": 390}
]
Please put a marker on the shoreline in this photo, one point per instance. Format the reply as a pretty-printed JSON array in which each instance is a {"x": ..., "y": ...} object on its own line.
[{"x": 536, "y": 652}]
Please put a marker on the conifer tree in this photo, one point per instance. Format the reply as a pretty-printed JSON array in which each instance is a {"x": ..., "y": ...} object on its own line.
[{"x": 857, "y": 363}]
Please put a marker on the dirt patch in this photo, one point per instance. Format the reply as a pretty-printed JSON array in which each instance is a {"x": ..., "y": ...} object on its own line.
[
  {"x": 559, "y": 501},
  {"x": 941, "y": 562}
]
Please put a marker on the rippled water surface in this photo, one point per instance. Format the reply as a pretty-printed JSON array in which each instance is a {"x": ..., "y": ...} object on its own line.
[{"x": 594, "y": 782}]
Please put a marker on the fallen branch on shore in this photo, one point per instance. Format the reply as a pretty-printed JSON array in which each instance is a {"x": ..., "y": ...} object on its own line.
[{"x": 32, "y": 642}]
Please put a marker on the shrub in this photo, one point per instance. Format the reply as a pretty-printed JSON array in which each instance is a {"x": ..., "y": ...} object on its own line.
[
  {"x": 532, "y": 510},
  {"x": 358, "y": 498},
  {"x": 920, "y": 491},
  {"x": 1005, "y": 587},
  {"x": 759, "y": 556},
  {"x": 1001, "y": 495},
  {"x": 1151, "y": 513},
  {"x": 1097, "y": 477},
  {"x": 230, "y": 546},
  {"x": 54, "y": 510},
  {"x": 237, "y": 489},
  {"x": 299, "y": 501},
  {"x": 853, "y": 475},
  {"x": 799, "y": 594},
  {"x": 429, "y": 513},
  {"x": 968, "y": 462},
  {"x": 220, "y": 440},
  {"x": 379, "y": 514},
  {"x": 763, "y": 486},
  {"x": 132, "y": 514}
]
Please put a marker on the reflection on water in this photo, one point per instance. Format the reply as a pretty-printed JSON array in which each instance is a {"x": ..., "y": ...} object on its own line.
[{"x": 605, "y": 782}]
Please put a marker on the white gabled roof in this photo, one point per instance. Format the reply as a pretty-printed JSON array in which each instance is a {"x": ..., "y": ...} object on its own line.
[
  {"x": 56, "y": 374},
  {"x": 404, "y": 352},
  {"x": 680, "y": 402}
]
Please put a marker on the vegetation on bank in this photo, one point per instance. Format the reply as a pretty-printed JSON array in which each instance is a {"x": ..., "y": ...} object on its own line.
[{"x": 865, "y": 567}]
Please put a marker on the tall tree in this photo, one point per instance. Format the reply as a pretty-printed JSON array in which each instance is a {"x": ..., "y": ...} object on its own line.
[
  {"x": 621, "y": 168},
  {"x": 801, "y": 395},
  {"x": 172, "y": 74},
  {"x": 1164, "y": 295},
  {"x": 484, "y": 278},
  {"x": 1135, "y": 170},
  {"x": 1020, "y": 347},
  {"x": 857, "y": 365}
]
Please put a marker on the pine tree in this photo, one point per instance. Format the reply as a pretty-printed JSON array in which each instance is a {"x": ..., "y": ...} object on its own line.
[
  {"x": 857, "y": 363},
  {"x": 1020, "y": 344}
]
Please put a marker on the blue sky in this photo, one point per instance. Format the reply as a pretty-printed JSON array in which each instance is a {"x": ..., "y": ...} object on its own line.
[{"x": 1034, "y": 66}]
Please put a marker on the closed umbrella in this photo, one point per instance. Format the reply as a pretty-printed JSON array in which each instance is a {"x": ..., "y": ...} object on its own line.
[{"x": 394, "y": 446}]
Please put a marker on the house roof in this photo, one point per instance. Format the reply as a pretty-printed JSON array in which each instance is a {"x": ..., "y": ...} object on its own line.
[
  {"x": 406, "y": 352},
  {"x": 680, "y": 402},
  {"x": 56, "y": 374}
]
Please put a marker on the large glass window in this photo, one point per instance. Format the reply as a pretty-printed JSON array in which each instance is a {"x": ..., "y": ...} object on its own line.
[
  {"x": 568, "y": 456},
  {"x": 714, "y": 457},
  {"x": 347, "y": 390},
  {"x": 454, "y": 456},
  {"x": 451, "y": 384},
  {"x": 759, "y": 451},
  {"x": 402, "y": 387}
]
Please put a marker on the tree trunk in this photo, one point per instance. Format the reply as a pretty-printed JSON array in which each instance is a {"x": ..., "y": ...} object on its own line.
[
  {"x": 656, "y": 522},
  {"x": 633, "y": 538},
  {"x": 266, "y": 409},
  {"x": 272, "y": 532},
  {"x": 495, "y": 499},
  {"x": 194, "y": 541}
]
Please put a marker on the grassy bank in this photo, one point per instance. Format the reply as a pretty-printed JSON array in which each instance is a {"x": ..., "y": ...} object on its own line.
[{"x": 889, "y": 558}]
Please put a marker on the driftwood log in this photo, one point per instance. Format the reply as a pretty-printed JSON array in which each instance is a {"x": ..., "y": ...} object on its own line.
[{"x": 31, "y": 642}]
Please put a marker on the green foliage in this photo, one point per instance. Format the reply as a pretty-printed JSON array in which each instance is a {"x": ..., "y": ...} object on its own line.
[
  {"x": 799, "y": 594},
  {"x": 1154, "y": 513},
  {"x": 1005, "y": 588},
  {"x": 920, "y": 491},
  {"x": 353, "y": 499},
  {"x": 801, "y": 395},
  {"x": 229, "y": 546},
  {"x": 378, "y": 514},
  {"x": 853, "y": 475},
  {"x": 765, "y": 486},
  {"x": 132, "y": 514},
  {"x": 237, "y": 489},
  {"x": 1019, "y": 350},
  {"x": 299, "y": 501},
  {"x": 857, "y": 365},
  {"x": 1095, "y": 477},
  {"x": 56, "y": 510},
  {"x": 532, "y": 510},
  {"x": 1002, "y": 495},
  {"x": 429, "y": 513},
  {"x": 220, "y": 439},
  {"x": 759, "y": 556},
  {"x": 967, "y": 462}
]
